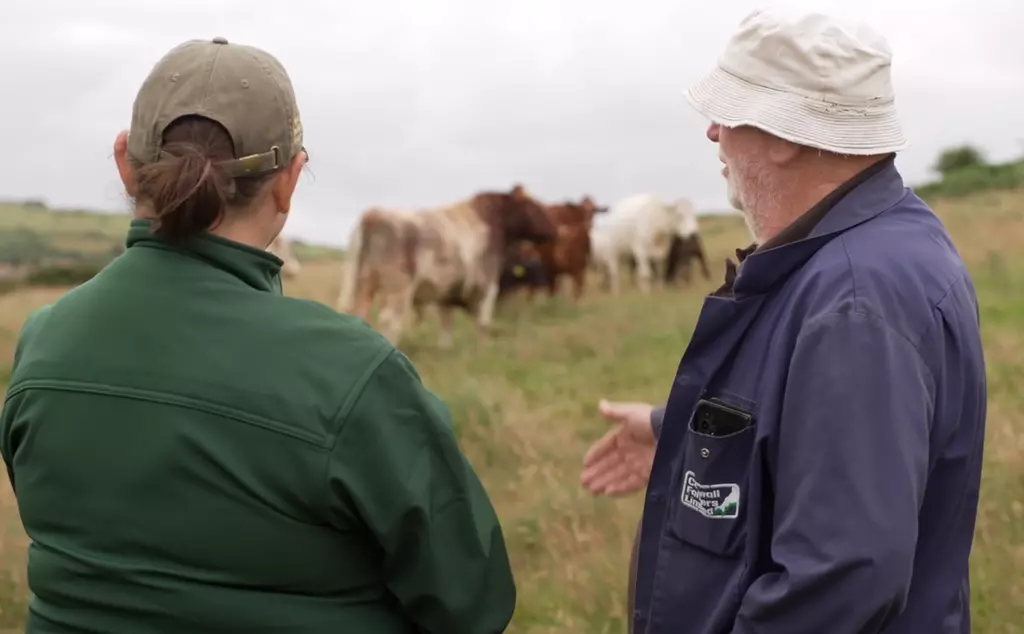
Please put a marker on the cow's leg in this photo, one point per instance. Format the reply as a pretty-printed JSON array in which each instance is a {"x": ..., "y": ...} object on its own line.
[
  {"x": 601, "y": 268},
  {"x": 703, "y": 262},
  {"x": 417, "y": 311},
  {"x": 643, "y": 266},
  {"x": 579, "y": 278},
  {"x": 552, "y": 285},
  {"x": 613, "y": 275},
  {"x": 446, "y": 340},
  {"x": 659, "y": 273},
  {"x": 485, "y": 311},
  {"x": 687, "y": 271},
  {"x": 398, "y": 307},
  {"x": 365, "y": 291},
  {"x": 656, "y": 274},
  {"x": 389, "y": 319}
]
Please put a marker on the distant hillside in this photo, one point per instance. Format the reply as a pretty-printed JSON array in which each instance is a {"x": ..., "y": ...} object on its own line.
[{"x": 31, "y": 234}]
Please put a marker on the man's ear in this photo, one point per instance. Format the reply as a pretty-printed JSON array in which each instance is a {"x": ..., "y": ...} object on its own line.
[{"x": 782, "y": 152}]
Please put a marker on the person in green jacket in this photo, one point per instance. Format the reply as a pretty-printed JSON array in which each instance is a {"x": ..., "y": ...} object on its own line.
[{"x": 193, "y": 452}]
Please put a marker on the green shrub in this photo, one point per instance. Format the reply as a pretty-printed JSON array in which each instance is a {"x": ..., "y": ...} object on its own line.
[
  {"x": 970, "y": 179},
  {"x": 21, "y": 246},
  {"x": 957, "y": 158}
]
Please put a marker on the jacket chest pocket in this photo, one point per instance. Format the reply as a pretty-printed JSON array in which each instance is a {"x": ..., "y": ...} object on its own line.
[{"x": 709, "y": 510}]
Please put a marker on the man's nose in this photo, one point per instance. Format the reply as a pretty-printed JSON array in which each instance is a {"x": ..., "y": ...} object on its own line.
[{"x": 713, "y": 131}]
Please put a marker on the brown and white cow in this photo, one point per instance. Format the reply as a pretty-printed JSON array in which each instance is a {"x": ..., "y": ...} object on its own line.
[
  {"x": 450, "y": 256},
  {"x": 282, "y": 248}
]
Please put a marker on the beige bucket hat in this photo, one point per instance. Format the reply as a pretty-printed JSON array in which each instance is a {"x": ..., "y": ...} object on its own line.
[
  {"x": 810, "y": 78},
  {"x": 242, "y": 88}
]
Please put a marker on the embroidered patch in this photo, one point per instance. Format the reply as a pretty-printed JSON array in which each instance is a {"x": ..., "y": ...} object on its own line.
[{"x": 715, "y": 501}]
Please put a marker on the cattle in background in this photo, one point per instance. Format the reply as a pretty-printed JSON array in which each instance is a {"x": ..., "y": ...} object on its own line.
[
  {"x": 569, "y": 253},
  {"x": 448, "y": 256},
  {"x": 282, "y": 248},
  {"x": 523, "y": 269},
  {"x": 641, "y": 226},
  {"x": 680, "y": 256}
]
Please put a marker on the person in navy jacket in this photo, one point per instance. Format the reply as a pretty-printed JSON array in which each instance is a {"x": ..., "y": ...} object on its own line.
[{"x": 816, "y": 467}]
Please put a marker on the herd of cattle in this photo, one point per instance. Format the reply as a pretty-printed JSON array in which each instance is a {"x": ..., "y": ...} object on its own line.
[{"x": 471, "y": 253}]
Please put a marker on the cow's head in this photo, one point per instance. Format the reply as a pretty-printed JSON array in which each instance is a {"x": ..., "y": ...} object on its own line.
[
  {"x": 574, "y": 214},
  {"x": 588, "y": 203},
  {"x": 590, "y": 208},
  {"x": 686, "y": 217},
  {"x": 521, "y": 217}
]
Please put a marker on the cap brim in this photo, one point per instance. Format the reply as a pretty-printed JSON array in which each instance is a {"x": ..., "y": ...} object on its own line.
[{"x": 728, "y": 100}]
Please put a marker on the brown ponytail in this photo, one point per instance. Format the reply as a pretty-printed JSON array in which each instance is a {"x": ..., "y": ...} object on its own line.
[{"x": 185, "y": 191}]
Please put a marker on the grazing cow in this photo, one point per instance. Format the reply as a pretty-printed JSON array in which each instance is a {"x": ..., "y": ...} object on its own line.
[
  {"x": 450, "y": 256},
  {"x": 282, "y": 248},
  {"x": 683, "y": 250},
  {"x": 642, "y": 226},
  {"x": 680, "y": 254},
  {"x": 569, "y": 254},
  {"x": 523, "y": 269}
]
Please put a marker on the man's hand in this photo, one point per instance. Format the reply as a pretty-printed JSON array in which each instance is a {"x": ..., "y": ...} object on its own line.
[{"x": 620, "y": 463}]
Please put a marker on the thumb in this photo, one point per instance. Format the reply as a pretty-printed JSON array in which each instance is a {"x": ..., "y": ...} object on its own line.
[{"x": 612, "y": 411}]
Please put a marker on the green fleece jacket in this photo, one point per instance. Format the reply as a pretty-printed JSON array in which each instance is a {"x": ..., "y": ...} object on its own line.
[{"x": 193, "y": 452}]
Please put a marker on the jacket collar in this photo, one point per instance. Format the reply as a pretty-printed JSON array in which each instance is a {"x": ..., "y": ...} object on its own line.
[
  {"x": 256, "y": 267},
  {"x": 867, "y": 198}
]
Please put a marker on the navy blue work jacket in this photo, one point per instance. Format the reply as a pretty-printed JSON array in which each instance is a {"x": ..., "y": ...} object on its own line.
[{"x": 848, "y": 505}]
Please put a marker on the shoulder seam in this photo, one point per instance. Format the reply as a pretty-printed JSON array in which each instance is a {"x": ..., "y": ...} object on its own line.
[
  {"x": 167, "y": 398},
  {"x": 933, "y": 305},
  {"x": 339, "y": 418},
  {"x": 885, "y": 324},
  {"x": 849, "y": 267}
]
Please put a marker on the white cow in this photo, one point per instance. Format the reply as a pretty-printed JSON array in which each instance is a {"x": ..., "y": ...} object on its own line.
[
  {"x": 282, "y": 248},
  {"x": 642, "y": 226}
]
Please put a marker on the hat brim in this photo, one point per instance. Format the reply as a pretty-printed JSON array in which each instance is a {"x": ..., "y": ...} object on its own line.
[{"x": 731, "y": 101}]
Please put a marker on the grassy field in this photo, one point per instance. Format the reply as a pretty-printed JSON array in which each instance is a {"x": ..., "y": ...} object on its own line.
[{"x": 525, "y": 410}]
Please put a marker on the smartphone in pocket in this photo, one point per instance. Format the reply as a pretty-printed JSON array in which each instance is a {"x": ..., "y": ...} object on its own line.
[{"x": 712, "y": 417}]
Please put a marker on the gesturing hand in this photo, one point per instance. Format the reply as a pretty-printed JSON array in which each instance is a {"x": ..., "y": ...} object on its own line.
[{"x": 620, "y": 462}]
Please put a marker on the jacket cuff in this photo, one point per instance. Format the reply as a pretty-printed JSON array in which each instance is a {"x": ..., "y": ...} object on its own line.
[{"x": 657, "y": 418}]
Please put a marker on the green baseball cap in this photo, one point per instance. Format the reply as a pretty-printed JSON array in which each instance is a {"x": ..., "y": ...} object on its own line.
[{"x": 241, "y": 87}]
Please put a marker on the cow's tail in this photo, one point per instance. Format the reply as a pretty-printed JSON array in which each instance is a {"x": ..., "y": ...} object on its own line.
[{"x": 350, "y": 272}]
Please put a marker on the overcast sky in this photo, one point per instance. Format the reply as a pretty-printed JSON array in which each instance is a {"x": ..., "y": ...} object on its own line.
[{"x": 419, "y": 102}]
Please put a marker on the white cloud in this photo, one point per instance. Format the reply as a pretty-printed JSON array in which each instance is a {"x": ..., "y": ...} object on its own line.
[{"x": 414, "y": 103}]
